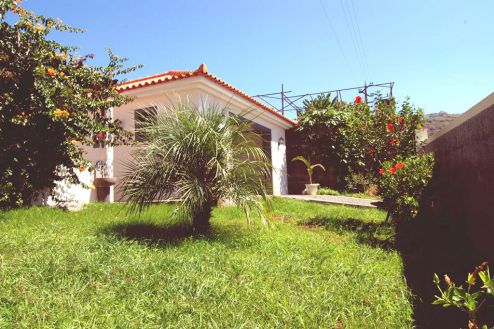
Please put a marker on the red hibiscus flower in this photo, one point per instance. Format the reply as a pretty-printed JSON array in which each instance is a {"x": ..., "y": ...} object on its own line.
[
  {"x": 101, "y": 135},
  {"x": 381, "y": 171},
  {"x": 394, "y": 141},
  {"x": 401, "y": 122},
  {"x": 390, "y": 127},
  {"x": 392, "y": 170},
  {"x": 358, "y": 100},
  {"x": 399, "y": 165}
]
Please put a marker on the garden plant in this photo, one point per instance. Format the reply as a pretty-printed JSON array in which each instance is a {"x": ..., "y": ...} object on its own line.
[
  {"x": 310, "y": 188},
  {"x": 402, "y": 183},
  {"x": 470, "y": 299},
  {"x": 201, "y": 155}
]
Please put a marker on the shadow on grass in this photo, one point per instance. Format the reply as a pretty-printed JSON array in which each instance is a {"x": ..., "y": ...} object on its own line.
[
  {"x": 168, "y": 235},
  {"x": 152, "y": 234},
  {"x": 378, "y": 235}
]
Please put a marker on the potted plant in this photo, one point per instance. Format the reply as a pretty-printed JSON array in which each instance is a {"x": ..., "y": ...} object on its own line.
[{"x": 310, "y": 189}]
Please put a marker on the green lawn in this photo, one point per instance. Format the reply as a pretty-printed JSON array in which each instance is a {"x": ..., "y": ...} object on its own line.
[{"x": 104, "y": 268}]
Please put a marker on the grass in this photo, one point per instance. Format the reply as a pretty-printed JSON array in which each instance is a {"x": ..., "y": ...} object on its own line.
[
  {"x": 328, "y": 191},
  {"x": 104, "y": 268}
]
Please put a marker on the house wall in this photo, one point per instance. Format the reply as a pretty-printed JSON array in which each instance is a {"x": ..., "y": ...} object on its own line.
[{"x": 203, "y": 92}]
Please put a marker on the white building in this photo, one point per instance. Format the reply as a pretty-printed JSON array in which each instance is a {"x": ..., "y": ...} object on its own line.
[{"x": 198, "y": 87}]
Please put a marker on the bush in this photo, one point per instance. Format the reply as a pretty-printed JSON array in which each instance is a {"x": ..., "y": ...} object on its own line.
[
  {"x": 51, "y": 103},
  {"x": 402, "y": 182},
  {"x": 359, "y": 137},
  {"x": 358, "y": 182}
]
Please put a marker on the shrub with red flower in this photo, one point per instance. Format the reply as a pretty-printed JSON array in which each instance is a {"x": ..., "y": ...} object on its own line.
[
  {"x": 359, "y": 136},
  {"x": 101, "y": 135},
  {"x": 394, "y": 141},
  {"x": 401, "y": 184}
]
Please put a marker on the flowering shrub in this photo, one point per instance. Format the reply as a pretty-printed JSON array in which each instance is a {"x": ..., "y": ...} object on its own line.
[
  {"x": 358, "y": 136},
  {"x": 51, "y": 103},
  {"x": 401, "y": 184},
  {"x": 469, "y": 299}
]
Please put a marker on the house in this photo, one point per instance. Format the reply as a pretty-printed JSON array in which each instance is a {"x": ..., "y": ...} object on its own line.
[{"x": 201, "y": 88}]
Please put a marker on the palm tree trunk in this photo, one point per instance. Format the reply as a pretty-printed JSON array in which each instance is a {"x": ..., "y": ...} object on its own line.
[{"x": 200, "y": 221}]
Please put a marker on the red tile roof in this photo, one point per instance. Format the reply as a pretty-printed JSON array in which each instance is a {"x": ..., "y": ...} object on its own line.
[{"x": 201, "y": 71}]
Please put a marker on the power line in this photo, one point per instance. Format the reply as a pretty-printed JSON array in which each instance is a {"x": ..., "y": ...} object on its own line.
[
  {"x": 336, "y": 37},
  {"x": 360, "y": 36},
  {"x": 353, "y": 35}
]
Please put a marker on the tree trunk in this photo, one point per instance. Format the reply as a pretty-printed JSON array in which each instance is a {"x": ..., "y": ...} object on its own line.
[{"x": 200, "y": 220}]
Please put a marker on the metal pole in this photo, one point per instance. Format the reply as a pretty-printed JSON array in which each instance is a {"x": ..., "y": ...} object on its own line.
[
  {"x": 365, "y": 91},
  {"x": 282, "y": 100}
]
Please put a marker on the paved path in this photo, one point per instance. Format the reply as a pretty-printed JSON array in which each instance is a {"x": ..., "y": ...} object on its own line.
[{"x": 344, "y": 200}]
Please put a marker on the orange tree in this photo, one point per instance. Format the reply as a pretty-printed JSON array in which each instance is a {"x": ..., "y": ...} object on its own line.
[{"x": 51, "y": 103}]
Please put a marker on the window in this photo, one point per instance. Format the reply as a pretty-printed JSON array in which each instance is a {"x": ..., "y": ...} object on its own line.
[{"x": 143, "y": 117}]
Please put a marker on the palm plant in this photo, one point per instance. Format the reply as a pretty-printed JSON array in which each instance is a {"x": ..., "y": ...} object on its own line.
[
  {"x": 202, "y": 155},
  {"x": 310, "y": 167}
]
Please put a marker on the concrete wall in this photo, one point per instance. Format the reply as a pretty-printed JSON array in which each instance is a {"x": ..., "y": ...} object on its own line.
[
  {"x": 454, "y": 229},
  {"x": 464, "y": 174}
]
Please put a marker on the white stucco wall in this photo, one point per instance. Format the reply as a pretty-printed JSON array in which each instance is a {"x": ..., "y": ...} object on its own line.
[{"x": 198, "y": 90}]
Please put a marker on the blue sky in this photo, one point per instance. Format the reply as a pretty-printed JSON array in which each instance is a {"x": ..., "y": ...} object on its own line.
[{"x": 440, "y": 53}]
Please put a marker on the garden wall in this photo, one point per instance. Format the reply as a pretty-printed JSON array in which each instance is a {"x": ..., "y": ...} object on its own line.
[
  {"x": 464, "y": 174},
  {"x": 454, "y": 229}
]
